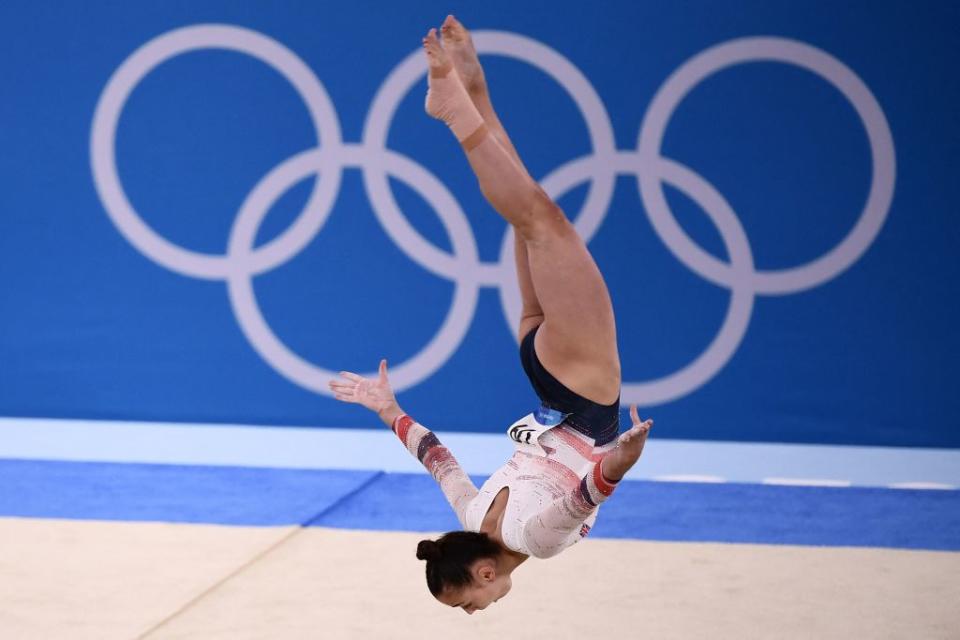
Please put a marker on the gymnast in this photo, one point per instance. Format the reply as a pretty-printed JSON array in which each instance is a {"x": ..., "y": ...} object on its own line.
[{"x": 568, "y": 457}]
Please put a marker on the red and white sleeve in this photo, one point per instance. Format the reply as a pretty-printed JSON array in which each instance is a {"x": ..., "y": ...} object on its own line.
[
  {"x": 548, "y": 533},
  {"x": 437, "y": 459}
]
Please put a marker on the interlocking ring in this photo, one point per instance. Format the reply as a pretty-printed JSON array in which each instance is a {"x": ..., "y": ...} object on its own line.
[{"x": 463, "y": 266}]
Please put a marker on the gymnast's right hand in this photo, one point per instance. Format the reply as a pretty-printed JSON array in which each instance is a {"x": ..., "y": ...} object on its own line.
[{"x": 375, "y": 395}]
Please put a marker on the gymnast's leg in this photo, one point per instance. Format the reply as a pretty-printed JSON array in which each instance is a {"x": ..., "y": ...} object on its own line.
[
  {"x": 459, "y": 46},
  {"x": 577, "y": 338}
]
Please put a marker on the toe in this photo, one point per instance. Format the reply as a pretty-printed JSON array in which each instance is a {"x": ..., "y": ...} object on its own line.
[
  {"x": 430, "y": 42},
  {"x": 453, "y": 30}
]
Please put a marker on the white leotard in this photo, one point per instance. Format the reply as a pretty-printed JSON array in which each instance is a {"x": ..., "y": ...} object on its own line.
[{"x": 553, "y": 478}]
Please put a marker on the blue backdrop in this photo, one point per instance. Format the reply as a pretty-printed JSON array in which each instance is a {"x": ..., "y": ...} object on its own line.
[{"x": 839, "y": 122}]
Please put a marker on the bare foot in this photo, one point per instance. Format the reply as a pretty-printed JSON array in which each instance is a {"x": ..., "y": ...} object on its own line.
[
  {"x": 440, "y": 68},
  {"x": 457, "y": 42},
  {"x": 629, "y": 447},
  {"x": 447, "y": 98}
]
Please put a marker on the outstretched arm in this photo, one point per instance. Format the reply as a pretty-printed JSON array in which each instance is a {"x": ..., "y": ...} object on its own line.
[
  {"x": 377, "y": 396},
  {"x": 546, "y": 534},
  {"x": 453, "y": 480}
]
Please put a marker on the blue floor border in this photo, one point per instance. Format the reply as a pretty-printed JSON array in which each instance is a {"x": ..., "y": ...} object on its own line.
[{"x": 730, "y": 512}]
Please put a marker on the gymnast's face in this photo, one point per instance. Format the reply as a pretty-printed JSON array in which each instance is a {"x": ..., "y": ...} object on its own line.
[{"x": 487, "y": 587}]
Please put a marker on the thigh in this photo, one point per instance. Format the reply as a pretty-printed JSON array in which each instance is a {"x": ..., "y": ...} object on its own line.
[
  {"x": 577, "y": 340},
  {"x": 531, "y": 315}
]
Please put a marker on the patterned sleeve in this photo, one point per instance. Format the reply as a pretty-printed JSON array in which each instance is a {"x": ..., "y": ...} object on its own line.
[
  {"x": 454, "y": 482},
  {"x": 548, "y": 532}
]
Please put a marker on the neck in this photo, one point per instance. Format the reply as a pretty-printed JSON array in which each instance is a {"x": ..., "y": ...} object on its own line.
[{"x": 508, "y": 560}]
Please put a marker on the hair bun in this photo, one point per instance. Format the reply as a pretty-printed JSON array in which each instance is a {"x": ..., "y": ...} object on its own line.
[{"x": 428, "y": 550}]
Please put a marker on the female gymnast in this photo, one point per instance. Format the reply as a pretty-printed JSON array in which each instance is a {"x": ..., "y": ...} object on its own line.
[{"x": 568, "y": 458}]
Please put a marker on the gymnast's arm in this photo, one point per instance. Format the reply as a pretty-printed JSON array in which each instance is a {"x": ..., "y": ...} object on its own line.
[
  {"x": 422, "y": 443},
  {"x": 377, "y": 395},
  {"x": 546, "y": 534}
]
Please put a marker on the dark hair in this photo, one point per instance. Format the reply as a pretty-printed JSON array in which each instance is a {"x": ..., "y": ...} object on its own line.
[{"x": 449, "y": 558}]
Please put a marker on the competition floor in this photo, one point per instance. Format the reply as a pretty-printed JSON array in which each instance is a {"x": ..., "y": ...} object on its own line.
[{"x": 108, "y": 549}]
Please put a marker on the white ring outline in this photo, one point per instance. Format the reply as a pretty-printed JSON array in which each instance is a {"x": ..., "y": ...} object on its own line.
[
  {"x": 104, "y": 161},
  {"x": 411, "y": 70},
  {"x": 240, "y": 285},
  {"x": 737, "y": 319},
  {"x": 243, "y": 261},
  {"x": 770, "y": 49}
]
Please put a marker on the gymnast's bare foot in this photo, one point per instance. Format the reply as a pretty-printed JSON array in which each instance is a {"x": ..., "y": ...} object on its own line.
[
  {"x": 447, "y": 98},
  {"x": 457, "y": 42},
  {"x": 441, "y": 83},
  {"x": 629, "y": 447},
  {"x": 437, "y": 58}
]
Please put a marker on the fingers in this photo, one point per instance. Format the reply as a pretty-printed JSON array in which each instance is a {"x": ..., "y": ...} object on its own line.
[
  {"x": 638, "y": 430},
  {"x": 343, "y": 391},
  {"x": 353, "y": 387},
  {"x": 345, "y": 397},
  {"x": 635, "y": 419},
  {"x": 346, "y": 388}
]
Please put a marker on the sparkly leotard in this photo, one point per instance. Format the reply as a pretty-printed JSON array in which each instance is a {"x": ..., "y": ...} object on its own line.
[{"x": 554, "y": 481}]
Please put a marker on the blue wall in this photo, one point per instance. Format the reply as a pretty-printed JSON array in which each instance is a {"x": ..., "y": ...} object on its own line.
[{"x": 95, "y": 321}]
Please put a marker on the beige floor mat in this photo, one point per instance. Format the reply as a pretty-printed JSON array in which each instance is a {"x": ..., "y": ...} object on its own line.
[{"x": 63, "y": 579}]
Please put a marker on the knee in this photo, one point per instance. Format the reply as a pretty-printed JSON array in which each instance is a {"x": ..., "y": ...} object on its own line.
[{"x": 545, "y": 220}]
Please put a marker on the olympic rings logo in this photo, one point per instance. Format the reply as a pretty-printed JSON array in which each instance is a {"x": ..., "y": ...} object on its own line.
[{"x": 463, "y": 267}]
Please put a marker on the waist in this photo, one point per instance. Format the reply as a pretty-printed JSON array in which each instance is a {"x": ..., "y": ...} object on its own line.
[{"x": 565, "y": 446}]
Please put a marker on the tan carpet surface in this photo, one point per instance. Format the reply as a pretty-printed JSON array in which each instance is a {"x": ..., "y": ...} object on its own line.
[{"x": 89, "y": 579}]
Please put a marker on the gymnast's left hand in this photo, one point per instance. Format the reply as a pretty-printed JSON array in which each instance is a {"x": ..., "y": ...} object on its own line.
[{"x": 376, "y": 395}]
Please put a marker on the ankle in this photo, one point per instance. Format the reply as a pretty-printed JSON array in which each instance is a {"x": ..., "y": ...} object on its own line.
[
  {"x": 479, "y": 94},
  {"x": 474, "y": 139}
]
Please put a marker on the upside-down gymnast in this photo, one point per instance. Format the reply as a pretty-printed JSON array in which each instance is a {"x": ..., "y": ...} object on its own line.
[{"x": 568, "y": 458}]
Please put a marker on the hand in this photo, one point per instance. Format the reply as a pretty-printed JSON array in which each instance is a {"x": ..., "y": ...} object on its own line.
[
  {"x": 629, "y": 447},
  {"x": 635, "y": 419},
  {"x": 375, "y": 395},
  {"x": 638, "y": 432}
]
